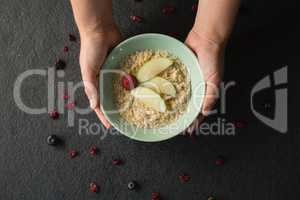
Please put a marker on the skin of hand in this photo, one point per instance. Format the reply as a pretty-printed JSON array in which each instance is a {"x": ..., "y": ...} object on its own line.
[
  {"x": 208, "y": 38},
  {"x": 98, "y": 34}
]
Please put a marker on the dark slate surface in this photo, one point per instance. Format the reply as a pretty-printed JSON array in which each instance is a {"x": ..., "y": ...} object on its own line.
[{"x": 262, "y": 163}]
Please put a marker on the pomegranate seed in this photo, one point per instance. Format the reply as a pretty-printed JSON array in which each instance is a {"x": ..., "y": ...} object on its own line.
[
  {"x": 60, "y": 64},
  {"x": 93, "y": 150},
  {"x": 70, "y": 105},
  {"x": 129, "y": 82},
  {"x": 54, "y": 114},
  {"x": 94, "y": 187},
  {"x": 195, "y": 8},
  {"x": 155, "y": 196},
  {"x": 220, "y": 161},
  {"x": 72, "y": 38},
  {"x": 72, "y": 153},
  {"x": 116, "y": 162},
  {"x": 136, "y": 18},
  {"x": 168, "y": 9},
  {"x": 184, "y": 178},
  {"x": 66, "y": 49}
]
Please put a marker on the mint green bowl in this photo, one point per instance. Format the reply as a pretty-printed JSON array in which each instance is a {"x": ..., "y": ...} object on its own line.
[{"x": 154, "y": 42}]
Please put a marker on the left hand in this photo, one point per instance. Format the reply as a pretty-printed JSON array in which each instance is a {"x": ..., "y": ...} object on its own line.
[{"x": 210, "y": 57}]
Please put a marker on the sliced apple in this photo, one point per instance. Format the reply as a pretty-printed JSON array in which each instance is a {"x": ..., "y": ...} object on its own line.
[
  {"x": 161, "y": 86},
  {"x": 149, "y": 98},
  {"x": 153, "y": 67}
]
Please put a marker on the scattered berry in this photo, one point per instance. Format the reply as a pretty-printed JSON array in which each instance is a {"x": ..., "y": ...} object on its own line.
[
  {"x": 54, "y": 114},
  {"x": 72, "y": 153},
  {"x": 94, "y": 187},
  {"x": 195, "y": 7},
  {"x": 239, "y": 124},
  {"x": 52, "y": 140},
  {"x": 66, "y": 49},
  {"x": 168, "y": 9},
  {"x": 60, "y": 64},
  {"x": 220, "y": 161},
  {"x": 116, "y": 162},
  {"x": 129, "y": 82},
  {"x": 131, "y": 185},
  {"x": 136, "y": 18},
  {"x": 184, "y": 178},
  {"x": 155, "y": 196},
  {"x": 72, "y": 38},
  {"x": 70, "y": 105},
  {"x": 93, "y": 150},
  {"x": 66, "y": 97}
]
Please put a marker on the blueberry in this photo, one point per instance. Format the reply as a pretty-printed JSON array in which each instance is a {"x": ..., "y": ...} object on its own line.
[
  {"x": 132, "y": 185},
  {"x": 52, "y": 140}
]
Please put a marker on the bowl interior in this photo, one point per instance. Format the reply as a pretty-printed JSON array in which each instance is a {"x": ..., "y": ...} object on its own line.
[{"x": 154, "y": 42}]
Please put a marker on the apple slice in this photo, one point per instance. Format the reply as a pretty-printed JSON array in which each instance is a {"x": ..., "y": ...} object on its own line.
[
  {"x": 161, "y": 86},
  {"x": 149, "y": 98},
  {"x": 153, "y": 67}
]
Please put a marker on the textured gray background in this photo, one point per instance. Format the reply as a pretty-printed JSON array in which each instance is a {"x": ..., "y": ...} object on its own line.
[{"x": 262, "y": 164}]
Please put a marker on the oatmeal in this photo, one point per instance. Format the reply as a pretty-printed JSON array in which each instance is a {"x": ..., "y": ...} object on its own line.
[{"x": 168, "y": 91}]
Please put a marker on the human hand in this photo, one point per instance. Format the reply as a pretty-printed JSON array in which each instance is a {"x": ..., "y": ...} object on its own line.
[
  {"x": 210, "y": 56},
  {"x": 94, "y": 49}
]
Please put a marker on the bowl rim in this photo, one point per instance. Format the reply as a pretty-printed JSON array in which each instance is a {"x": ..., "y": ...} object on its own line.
[{"x": 153, "y": 35}]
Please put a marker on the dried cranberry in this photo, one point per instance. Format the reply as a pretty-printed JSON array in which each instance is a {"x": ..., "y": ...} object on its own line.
[
  {"x": 117, "y": 162},
  {"x": 70, "y": 105},
  {"x": 60, "y": 64},
  {"x": 72, "y": 38},
  {"x": 220, "y": 161},
  {"x": 129, "y": 82},
  {"x": 66, "y": 49},
  {"x": 184, "y": 178},
  {"x": 168, "y": 9},
  {"x": 94, "y": 187},
  {"x": 195, "y": 7},
  {"x": 73, "y": 153},
  {"x": 93, "y": 150},
  {"x": 54, "y": 114},
  {"x": 136, "y": 18},
  {"x": 155, "y": 196}
]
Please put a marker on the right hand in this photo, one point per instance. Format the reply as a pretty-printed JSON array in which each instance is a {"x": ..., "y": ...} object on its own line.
[{"x": 94, "y": 49}]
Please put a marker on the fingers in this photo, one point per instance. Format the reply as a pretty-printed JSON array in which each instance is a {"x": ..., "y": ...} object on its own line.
[
  {"x": 211, "y": 94},
  {"x": 102, "y": 118},
  {"x": 195, "y": 124}
]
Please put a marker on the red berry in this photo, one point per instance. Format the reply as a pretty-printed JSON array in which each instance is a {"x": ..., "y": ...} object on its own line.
[
  {"x": 220, "y": 161},
  {"x": 94, "y": 187},
  {"x": 72, "y": 38},
  {"x": 72, "y": 153},
  {"x": 66, "y": 49},
  {"x": 155, "y": 196},
  {"x": 66, "y": 97},
  {"x": 195, "y": 7},
  {"x": 54, "y": 114},
  {"x": 136, "y": 18},
  {"x": 129, "y": 82},
  {"x": 168, "y": 9},
  {"x": 116, "y": 162},
  {"x": 93, "y": 150},
  {"x": 239, "y": 124},
  {"x": 70, "y": 105},
  {"x": 184, "y": 178}
]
